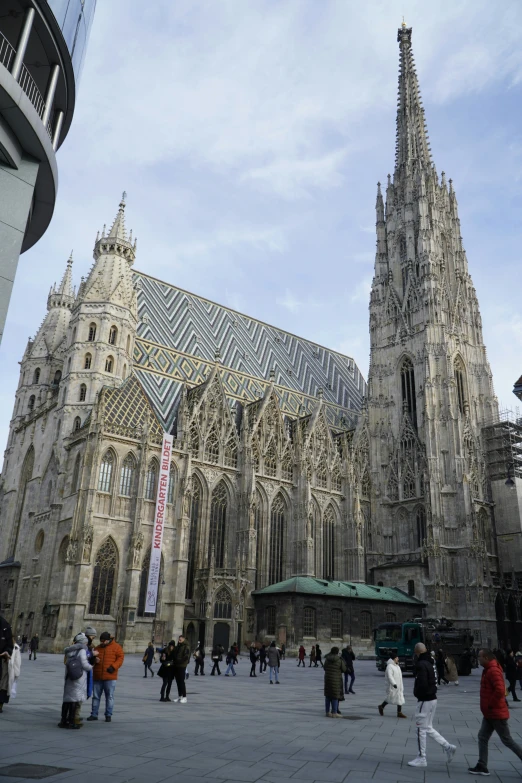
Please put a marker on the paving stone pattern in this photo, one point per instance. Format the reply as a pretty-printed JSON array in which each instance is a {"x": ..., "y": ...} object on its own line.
[{"x": 243, "y": 729}]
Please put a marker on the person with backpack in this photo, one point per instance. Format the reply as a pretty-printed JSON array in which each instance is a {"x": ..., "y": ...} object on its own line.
[
  {"x": 75, "y": 688},
  {"x": 199, "y": 657},
  {"x": 110, "y": 659},
  {"x": 495, "y": 712},
  {"x": 147, "y": 659}
]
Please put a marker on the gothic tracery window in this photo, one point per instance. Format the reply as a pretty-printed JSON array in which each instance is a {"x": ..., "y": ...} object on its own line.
[
  {"x": 365, "y": 485},
  {"x": 408, "y": 486},
  {"x": 421, "y": 527},
  {"x": 103, "y": 578},
  {"x": 277, "y": 540},
  {"x": 270, "y": 461},
  {"x": 92, "y": 333},
  {"x": 286, "y": 466},
  {"x": 128, "y": 470},
  {"x": 461, "y": 388},
  {"x": 105, "y": 479},
  {"x": 321, "y": 473},
  {"x": 195, "y": 506},
  {"x": 329, "y": 544},
  {"x": 223, "y": 605},
  {"x": 151, "y": 481},
  {"x": 212, "y": 447},
  {"x": 231, "y": 453},
  {"x": 218, "y": 518},
  {"x": 113, "y": 335},
  {"x": 87, "y": 362},
  {"x": 336, "y": 479},
  {"x": 194, "y": 440},
  {"x": 83, "y": 392},
  {"x": 409, "y": 399}
]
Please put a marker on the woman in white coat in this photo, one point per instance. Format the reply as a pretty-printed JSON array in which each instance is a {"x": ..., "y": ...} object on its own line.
[
  {"x": 15, "y": 665},
  {"x": 395, "y": 688},
  {"x": 75, "y": 690}
]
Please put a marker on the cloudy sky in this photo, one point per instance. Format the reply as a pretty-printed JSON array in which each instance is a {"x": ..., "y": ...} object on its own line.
[{"x": 250, "y": 136}]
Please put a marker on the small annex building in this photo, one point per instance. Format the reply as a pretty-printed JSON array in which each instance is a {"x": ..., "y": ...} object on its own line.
[{"x": 305, "y": 610}]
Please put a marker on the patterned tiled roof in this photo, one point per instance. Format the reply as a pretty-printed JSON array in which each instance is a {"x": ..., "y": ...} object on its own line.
[
  {"x": 312, "y": 586},
  {"x": 126, "y": 408},
  {"x": 180, "y": 334}
]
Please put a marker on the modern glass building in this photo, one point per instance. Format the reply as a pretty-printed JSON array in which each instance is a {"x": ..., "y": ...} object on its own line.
[{"x": 42, "y": 49}]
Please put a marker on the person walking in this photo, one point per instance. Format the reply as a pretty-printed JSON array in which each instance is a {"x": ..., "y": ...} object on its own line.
[
  {"x": 348, "y": 658},
  {"x": 75, "y": 688},
  {"x": 283, "y": 652},
  {"x": 235, "y": 647},
  {"x": 253, "y": 661},
  {"x": 147, "y": 659},
  {"x": 199, "y": 657},
  {"x": 425, "y": 691},
  {"x": 302, "y": 655},
  {"x": 24, "y": 643},
  {"x": 394, "y": 687},
  {"x": 334, "y": 668},
  {"x": 231, "y": 658},
  {"x": 511, "y": 674},
  {"x": 217, "y": 657},
  {"x": 6, "y": 651},
  {"x": 495, "y": 712},
  {"x": 109, "y": 661},
  {"x": 452, "y": 674},
  {"x": 441, "y": 668},
  {"x": 274, "y": 661},
  {"x": 262, "y": 659},
  {"x": 33, "y": 646},
  {"x": 318, "y": 656},
  {"x": 312, "y": 656},
  {"x": 181, "y": 661},
  {"x": 166, "y": 670}
]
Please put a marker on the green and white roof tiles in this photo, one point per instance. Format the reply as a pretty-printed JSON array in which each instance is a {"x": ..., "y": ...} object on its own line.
[{"x": 311, "y": 586}]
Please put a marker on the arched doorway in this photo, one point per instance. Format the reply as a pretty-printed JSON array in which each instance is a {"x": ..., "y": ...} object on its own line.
[
  {"x": 191, "y": 636},
  {"x": 221, "y": 635}
]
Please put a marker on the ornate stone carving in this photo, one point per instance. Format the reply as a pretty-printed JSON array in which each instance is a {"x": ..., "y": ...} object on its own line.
[{"x": 88, "y": 536}]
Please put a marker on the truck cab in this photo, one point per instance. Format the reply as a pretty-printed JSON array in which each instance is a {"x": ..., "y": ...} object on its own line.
[{"x": 397, "y": 639}]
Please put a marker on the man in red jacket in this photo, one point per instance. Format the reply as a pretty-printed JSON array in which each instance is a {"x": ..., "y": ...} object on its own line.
[{"x": 494, "y": 708}]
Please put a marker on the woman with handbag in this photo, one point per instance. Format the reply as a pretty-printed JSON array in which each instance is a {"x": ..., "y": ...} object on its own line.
[
  {"x": 148, "y": 658},
  {"x": 166, "y": 670}
]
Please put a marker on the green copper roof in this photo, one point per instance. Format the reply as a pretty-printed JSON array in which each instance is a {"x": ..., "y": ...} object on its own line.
[{"x": 312, "y": 586}]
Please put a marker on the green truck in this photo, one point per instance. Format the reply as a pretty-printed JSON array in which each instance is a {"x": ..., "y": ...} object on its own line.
[{"x": 399, "y": 639}]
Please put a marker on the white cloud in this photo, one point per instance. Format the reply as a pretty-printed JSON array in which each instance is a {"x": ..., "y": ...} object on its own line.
[{"x": 361, "y": 292}]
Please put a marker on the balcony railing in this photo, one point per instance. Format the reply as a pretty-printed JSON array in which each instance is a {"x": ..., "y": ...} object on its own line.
[{"x": 26, "y": 81}]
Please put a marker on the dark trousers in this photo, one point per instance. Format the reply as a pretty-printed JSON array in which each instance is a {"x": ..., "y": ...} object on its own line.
[
  {"x": 147, "y": 666},
  {"x": 301, "y": 661},
  {"x": 512, "y": 689},
  {"x": 262, "y": 666},
  {"x": 399, "y": 707},
  {"x": 253, "y": 669},
  {"x": 32, "y": 653},
  {"x": 68, "y": 710},
  {"x": 502, "y": 729},
  {"x": 179, "y": 674},
  {"x": 200, "y": 666},
  {"x": 216, "y": 666},
  {"x": 165, "y": 688}
]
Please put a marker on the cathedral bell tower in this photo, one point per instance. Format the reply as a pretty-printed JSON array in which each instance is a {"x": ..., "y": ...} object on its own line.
[{"x": 430, "y": 388}]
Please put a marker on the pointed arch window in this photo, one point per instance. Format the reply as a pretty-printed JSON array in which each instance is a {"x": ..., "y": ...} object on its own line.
[
  {"x": 337, "y": 623},
  {"x": 277, "y": 540},
  {"x": 30, "y": 405},
  {"x": 172, "y": 484},
  {"x": 76, "y": 475},
  {"x": 151, "y": 481},
  {"x": 105, "y": 479},
  {"x": 223, "y": 605},
  {"x": 409, "y": 399},
  {"x": 127, "y": 476},
  {"x": 258, "y": 520},
  {"x": 287, "y": 471},
  {"x": 461, "y": 387},
  {"x": 270, "y": 461},
  {"x": 366, "y": 485},
  {"x": 88, "y": 361},
  {"x": 336, "y": 479},
  {"x": 421, "y": 527},
  {"x": 255, "y": 455},
  {"x": 195, "y": 510},
  {"x": 194, "y": 440},
  {"x": 329, "y": 542},
  {"x": 231, "y": 453},
  {"x": 83, "y": 392},
  {"x": 408, "y": 486},
  {"x": 77, "y": 424},
  {"x": 271, "y": 615},
  {"x": 92, "y": 333},
  {"x": 144, "y": 582},
  {"x": 113, "y": 335},
  {"x": 103, "y": 579},
  {"x": 321, "y": 474},
  {"x": 109, "y": 364},
  {"x": 218, "y": 520},
  {"x": 212, "y": 447},
  {"x": 36, "y": 376}
]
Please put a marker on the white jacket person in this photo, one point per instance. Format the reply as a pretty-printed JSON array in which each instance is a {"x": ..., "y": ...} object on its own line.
[
  {"x": 395, "y": 688},
  {"x": 15, "y": 664}
]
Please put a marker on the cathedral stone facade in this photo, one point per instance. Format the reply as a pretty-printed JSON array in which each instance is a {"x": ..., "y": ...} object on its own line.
[{"x": 284, "y": 464}]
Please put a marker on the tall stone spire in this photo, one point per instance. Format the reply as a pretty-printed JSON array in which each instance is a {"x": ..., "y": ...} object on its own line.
[
  {"x": 53, "y": 329},
  {"x": 412, "y": 145}
]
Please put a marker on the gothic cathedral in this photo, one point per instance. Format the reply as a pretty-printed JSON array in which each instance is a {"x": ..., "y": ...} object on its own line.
[{"x": 285, "y": 464}]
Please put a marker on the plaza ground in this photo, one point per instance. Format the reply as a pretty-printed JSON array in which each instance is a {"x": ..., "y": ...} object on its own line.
[{"x": 243, "y": 729}]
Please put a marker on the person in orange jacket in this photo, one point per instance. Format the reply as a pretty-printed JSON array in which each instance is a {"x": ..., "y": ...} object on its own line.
[{"x": 110, "y": 658}]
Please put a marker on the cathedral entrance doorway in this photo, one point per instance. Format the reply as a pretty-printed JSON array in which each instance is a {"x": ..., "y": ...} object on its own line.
[
  {"x": 221, "y": 635},
  {"x": 201, "y": 637},
  {"x": 191, "y": 636}
]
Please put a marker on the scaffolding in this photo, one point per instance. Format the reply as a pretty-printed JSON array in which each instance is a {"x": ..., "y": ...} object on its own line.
[{"x": 502, "y": 439}]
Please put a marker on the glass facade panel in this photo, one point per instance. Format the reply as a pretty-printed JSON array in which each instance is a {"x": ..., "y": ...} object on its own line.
[{"x": 74, "y": 19}]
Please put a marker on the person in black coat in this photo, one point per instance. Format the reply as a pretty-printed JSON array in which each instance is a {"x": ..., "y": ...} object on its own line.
[
  {"x": 6, "y": 650},
  {"x": 262, "y": 659},
  {"x": 253, "y": 661},
  {"x": 440, "y": 663},
  {"x": 148, "y": 657},
  {"x": 217, "y": 657},
  {"x": 33, "y": 646},
  {"x": 511, "y": 674},
  {"x": 166, "y": 670},
  {"x": 318, "y": 656},
  {"x": 348, "y": 657},
  {"x": 199, "y": 657}
]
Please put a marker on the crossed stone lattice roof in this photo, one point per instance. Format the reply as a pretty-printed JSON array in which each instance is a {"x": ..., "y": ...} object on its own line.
[{"x": 127, "y": 408}]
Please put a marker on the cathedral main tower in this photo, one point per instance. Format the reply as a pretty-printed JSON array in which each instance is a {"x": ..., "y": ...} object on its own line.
[{"x": 430, "y": 388}]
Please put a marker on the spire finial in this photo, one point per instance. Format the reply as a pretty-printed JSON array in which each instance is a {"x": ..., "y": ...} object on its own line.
[
  {"x": 403, "y": 22},
  {"x": 123, "y": 198},
  {"x": 70, "y": 261}
]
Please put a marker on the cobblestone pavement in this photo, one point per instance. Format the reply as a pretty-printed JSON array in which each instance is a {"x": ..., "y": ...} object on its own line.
[{"x": 243, "y": 729}]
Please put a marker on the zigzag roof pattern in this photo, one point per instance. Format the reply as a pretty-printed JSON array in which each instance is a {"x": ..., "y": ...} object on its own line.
[{"x": 180, "y": 334}]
